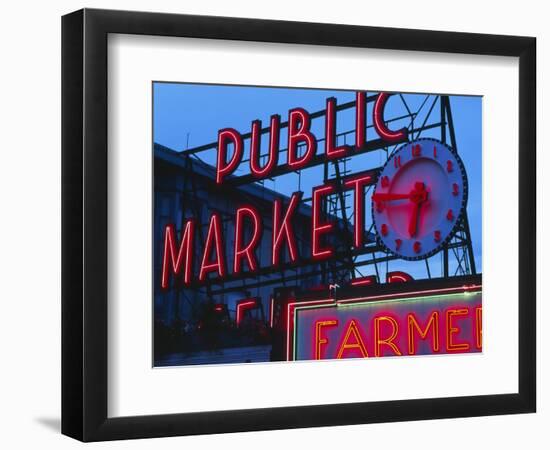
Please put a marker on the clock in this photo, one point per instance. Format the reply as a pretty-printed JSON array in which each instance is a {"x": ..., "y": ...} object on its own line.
[{"x": 419, "y": 198}]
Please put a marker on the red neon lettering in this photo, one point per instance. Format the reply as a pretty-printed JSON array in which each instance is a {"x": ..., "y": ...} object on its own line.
[
  {"x": 413, "y": 325},
  {"x": 224, "y": 137},
  {"x": 298, "y": 131},
  {"x": 378, "y": 341},
  {"x": 282, "y": 229},
  {"x": 452, "y": 330},
  {"x": 331, "y": 149},
  {"x": 378, "y": 120},
  {"x": 358, "y": 343},
  {"x": 247, "y": 251},
  {"x": 479, "y": 332},
  {"x": 317, "y": 228},
  {"x": 213, "y": 239},
  {"x": 242, "y": 306},
  {"x": 358, "y": 184},
  {"x": 184, "y": 258},
  {"x": 272, "y": 160},
  {"x": 398, "y": 277},
  {"x": 364, "y": 281},
  {"x": 319, "y": 339},
  {"x": 360, "y": 120}
]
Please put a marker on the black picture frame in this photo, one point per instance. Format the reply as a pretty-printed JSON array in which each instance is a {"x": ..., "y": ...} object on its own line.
[{"x": 84, "y": 224}]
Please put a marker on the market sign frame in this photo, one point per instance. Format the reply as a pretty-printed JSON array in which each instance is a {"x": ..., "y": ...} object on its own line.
[{"x": 436, "y": 318}]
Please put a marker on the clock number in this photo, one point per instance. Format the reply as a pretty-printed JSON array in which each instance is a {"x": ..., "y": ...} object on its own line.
[
  {"x": 435, "y": 151},
  {"x": 450, "y": 215},
  {"x": 385, "y": 182},
  {"x": 397, "y": 162},
  {"x": 398, "y": 243},
  {"x": 416, "y": 150},
  {"x": 417, "y": 247},
  {"x": 437, "y": 235},
  {"x": 449, "y": 166},
  {"x": 379, "y": 207},
  {"x": 384, "y": 229},
  {"x": 455, "y": 189}
]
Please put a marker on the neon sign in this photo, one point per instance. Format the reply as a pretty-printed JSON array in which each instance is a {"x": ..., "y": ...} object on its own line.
[
  {"x": 243, "y": 306},
  {"x": 177, "y": 257},
  {"x": 410, "y": 323}
]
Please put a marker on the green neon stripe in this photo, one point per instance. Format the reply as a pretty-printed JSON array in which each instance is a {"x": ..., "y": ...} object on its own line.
[{"x": 375, "y": 302}]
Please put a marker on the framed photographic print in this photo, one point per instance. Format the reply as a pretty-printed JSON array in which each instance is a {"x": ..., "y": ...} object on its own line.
[{"x": 274, "y": 224}]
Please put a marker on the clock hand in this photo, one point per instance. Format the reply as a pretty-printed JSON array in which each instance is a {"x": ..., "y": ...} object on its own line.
[
  {"x": 386, "y": 197},
  {"x": 418, "y": 196},
  {"x": 414, "y": 220}
]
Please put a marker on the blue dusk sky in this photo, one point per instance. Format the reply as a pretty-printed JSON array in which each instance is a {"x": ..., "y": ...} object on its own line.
[{"x": 190, "y": 115}]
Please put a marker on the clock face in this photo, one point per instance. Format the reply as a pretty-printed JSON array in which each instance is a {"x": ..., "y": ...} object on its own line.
[{"x": 419, "y": 198}]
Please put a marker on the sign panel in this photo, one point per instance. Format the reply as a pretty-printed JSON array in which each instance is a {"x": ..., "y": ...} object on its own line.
[{"x": 412, "y": 323}]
